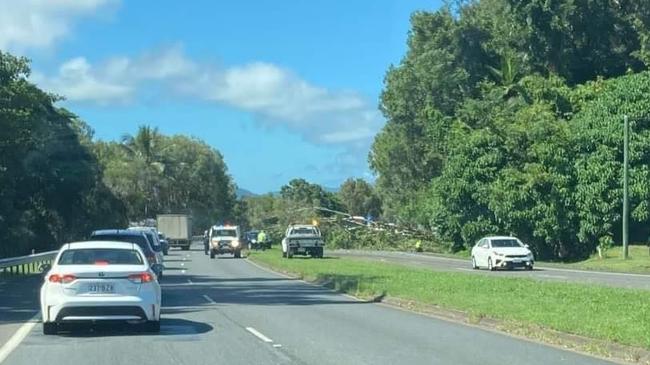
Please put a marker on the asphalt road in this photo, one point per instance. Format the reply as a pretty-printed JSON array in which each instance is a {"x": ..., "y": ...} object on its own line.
[
  {"x": 633, "y": 281},
  {"x": 228, "y": 311}
]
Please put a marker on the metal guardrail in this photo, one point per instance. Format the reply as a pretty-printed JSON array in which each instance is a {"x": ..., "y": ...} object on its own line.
[{"x": 26, "y": 264}]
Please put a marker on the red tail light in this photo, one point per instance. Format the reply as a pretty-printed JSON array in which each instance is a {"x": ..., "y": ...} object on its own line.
[
  {"x": 143, "y": 277},
  {"x": 101, "y": 262},
  {"x": 64, "y": 279}
]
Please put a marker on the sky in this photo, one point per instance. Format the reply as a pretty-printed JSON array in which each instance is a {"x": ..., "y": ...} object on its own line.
[{"x": 282, "y": 88}]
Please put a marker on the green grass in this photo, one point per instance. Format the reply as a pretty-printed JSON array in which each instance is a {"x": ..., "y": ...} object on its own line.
[
  {"x": 612, "y": 314},
  {"x": 638, "y": 261}
]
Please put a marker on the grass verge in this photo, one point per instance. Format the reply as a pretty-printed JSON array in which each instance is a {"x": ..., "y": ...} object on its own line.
[
  {"x": 637, "y": 263},
  {"x": 611, "y": 314}
]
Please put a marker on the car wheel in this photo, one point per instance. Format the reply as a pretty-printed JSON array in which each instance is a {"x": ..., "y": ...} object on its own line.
[
  {"x": 490, "y": 267},
  {"x": 284, "y": 255},
  {"x": 50, "y": 328},
  {"x": 211, "y": 254},
  {"x": 474, "y": 266},
  {"x": 529, "y": 267},
  {"x": 237, "y": 254},
  {"x": 152, "y": 326}
]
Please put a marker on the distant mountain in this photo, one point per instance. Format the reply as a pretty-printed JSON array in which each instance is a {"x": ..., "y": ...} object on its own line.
[{"x": 243, "y": 193}]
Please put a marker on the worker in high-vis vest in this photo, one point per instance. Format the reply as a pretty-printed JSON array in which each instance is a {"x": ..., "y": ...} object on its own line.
[{"x": 261, "y": 240}]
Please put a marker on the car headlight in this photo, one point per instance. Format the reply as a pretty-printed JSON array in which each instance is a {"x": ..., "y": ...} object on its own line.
[
  {"x": 234, "y": 243},
  {"x": 253, "y": 240}
]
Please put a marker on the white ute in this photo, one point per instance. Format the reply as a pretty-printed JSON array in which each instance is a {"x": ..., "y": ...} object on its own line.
[
  {"x": 302, "y": 239},
  {"x": 100, "y": 281}
]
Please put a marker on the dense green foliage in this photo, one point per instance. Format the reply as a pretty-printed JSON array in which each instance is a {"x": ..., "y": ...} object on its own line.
[
  {"x": 359, "y": 198},
  {"x": 505, "y": 117},
  {"x": 153, "y": 174},
  {"x": 51, "y": 187},
  {"x": 57, "y": 184}
]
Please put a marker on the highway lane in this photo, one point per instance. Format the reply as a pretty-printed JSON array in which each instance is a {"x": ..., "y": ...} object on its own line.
[
  {"x": 228, "y": 311},
  {"x": 622, "y": 280}
]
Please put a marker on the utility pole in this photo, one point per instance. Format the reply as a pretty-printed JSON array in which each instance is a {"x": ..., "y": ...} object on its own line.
[{"x": 626, "y": 142}]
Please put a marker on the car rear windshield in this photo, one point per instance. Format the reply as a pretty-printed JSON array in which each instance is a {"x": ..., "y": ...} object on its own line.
[
  {"x": 225, "y": 233},
  {"x": 100, "y": 256},
  {"x": 505, "y": 243},
  {"x": 156, "y": 247},
  {"x": 137, "y": 239},
  {"x": 303, "y": 231}
]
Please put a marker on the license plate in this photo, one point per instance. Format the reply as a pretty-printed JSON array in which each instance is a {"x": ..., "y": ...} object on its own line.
[
  {"x": 100, "y": 288},
  {"x": 517, "y": 261}
]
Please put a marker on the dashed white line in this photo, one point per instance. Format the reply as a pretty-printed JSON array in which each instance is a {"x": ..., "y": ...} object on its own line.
[
  {"x": 182, "y": 264},
  {"x": 259, "y": 335},
  {"x": 209, "y": 299},
  {"x": 277, "y": 345},
  {"x": 182, "y": 271},
  {"x": 18, "y": 337}
]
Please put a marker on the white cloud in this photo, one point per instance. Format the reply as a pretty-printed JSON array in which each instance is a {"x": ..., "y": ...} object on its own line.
[
  {"x": 278, "y": 97},
  {"x": 40, "y": 23}
]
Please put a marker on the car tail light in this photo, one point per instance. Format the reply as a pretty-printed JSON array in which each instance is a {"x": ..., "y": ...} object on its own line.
[
  {"x": 63, "y": 279},
  {"x": 143, "y": 277},
  {"x": 101, "y": 262}
]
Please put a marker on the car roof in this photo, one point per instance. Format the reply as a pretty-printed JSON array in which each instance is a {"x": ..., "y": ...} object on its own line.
[
  {"x": 100, "y": 244},
  {"x": 302, "y": 226},
  {"x": 140, "y": 228},
  {"x": 117, "y": 232},
  {"x": 225, "y": 227},
  {"x": 501, "y": 238}
]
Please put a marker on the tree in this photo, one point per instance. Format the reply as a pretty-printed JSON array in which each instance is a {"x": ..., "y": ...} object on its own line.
[
  {"x": 359, "y": 198},
  {"x": 52, "y": 189}
]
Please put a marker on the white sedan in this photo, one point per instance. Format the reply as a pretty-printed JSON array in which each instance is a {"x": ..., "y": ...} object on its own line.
[
  {"x": 100, "y": 281},
  {"x": 501, "y": 252}
]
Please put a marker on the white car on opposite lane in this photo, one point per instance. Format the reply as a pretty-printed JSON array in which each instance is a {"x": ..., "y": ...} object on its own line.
[
  {"x": 501, "y": 252},
  {"x": 100, "y": 281}
]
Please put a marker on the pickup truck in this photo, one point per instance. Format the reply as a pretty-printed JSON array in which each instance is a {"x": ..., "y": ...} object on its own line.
[{"x": 302, "y": 239}]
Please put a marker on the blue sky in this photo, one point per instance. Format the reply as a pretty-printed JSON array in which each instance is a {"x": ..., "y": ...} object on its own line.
[{"x": 282, "y": 89}]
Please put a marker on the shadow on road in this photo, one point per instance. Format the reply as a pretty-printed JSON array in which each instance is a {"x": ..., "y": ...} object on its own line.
[
  {"x": 19, "y": 297},
  {"x": 169, "y": 327}
]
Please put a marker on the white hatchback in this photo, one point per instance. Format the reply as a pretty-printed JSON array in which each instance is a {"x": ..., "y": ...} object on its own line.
[
  {"x": 501, "y": 252},
  {"x": 100, "y": 281}
]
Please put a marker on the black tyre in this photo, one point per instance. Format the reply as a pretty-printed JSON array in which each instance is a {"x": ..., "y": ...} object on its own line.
[
  {"x": 490, "y": 267},
  {"x": 166, "y": 252},
  {"x": 529, "y": 267},
  {"x": 50, "y": 328},
  {"x": 152, "y": 326},
  {"x": 237, "y": 254},
  {"x": 474, "y": 266}
]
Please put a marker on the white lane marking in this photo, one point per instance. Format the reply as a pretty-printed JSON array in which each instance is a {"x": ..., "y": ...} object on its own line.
[
  {"x": 182, "y": 264},
  {"x": 209, "y": 299},
  {"x": 259, "y": 335},
  {"x": 182, "y": 271},
  {"x": 18, "y": 337},
  {"x": 189, "y": 281},
  {"x": 277, "y": 345}
]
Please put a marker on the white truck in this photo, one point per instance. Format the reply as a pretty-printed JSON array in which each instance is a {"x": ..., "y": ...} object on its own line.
[
  {"x": 302, "y": 239},
  {"x": 177, "y": 228}
]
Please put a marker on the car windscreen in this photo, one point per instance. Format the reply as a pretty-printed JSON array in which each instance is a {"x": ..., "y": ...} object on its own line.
[
  {"x": 225, "y": 233},
  {"x": 308, "y": 231},
  {"x": 100, "y": 256},
  {"x": 137, "y": 239},
  {"x": 505, "y": 243}
]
